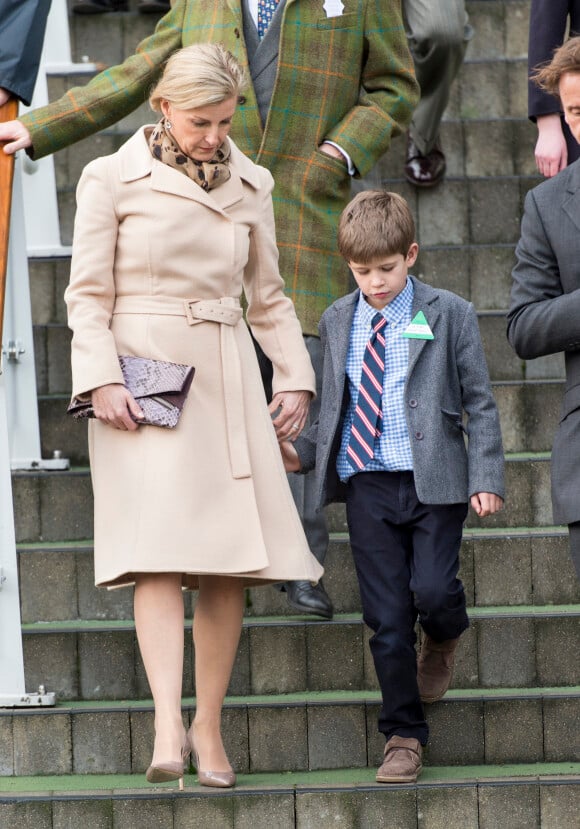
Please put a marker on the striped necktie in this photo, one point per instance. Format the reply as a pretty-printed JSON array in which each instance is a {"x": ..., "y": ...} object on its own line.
[
  {"x": 266, "y": 9},
  {"x": 367, "y": 420}
]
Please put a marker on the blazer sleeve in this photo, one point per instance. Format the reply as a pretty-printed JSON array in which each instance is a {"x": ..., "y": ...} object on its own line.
[
  {"x": 110, "y": 96},
  {"x": 22, "y": 25},
  {"x": 90, "y": 296},
  {"x": 388, "y": 93},
  {"x": 542, "y": 319},
  {"x": 270, "y": 312},
  {"x": 485, "y": 456}
]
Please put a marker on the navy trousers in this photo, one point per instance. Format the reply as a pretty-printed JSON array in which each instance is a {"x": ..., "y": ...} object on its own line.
[{"x": 406, "y": 555}]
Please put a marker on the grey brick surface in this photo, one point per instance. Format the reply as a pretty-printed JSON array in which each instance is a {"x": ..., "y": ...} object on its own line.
[
  {"x": 66, "y": 505},
  {"x": 42, "y": 744},
  {"x": 72, "y": 814},
  {"x": 503, "y": 575},
  {"x": 490, "y": 276},
  {"x": 48, "y": 586},
  {"x": 507, "y": 653},
  {"x": 447, "y": 808},
  {"x": 482, "y": 90},
  {"x": 6, "y": 745},
  {"x": 560, "y": 806},
  {"x": 26, "y": 503},
  {"x": 97, "y": 602},
  {"x": 450, "y": 745},
  {"x": 558, "y": 651},
  {"x": 445, "y": 267},
  {"x": 395, "y": 809},
  {"x": 442, "y": 215},
  {"x": 278, "y": 659},
  {"x": 26, "y": 815},
  {"x": 466, "y": 672},
  {"x": 488, "y": 148},
  {"x": 264, "y": 811},
  {"x": 517, "y": 24},
  {"x": 502, "y": 362},
  {"x": 278, "y": 739},
  {"x": 335, "y": 661},
  {"x": 561, "y": 732},
  {"x": 514, "y": 732},
  {"x": 107, "y": 665},
  {"x": 214, "y": 812},
  {"x": 59, "y": 432},
  {"x": 553, "y": 574},
  {"x": 515, "y": 806},
  {"x": 336, "y": 739},
  {"x": 51, "y": 659},
  {"x": 137, "y": 814},
  {"x": 102, "y": 743}
]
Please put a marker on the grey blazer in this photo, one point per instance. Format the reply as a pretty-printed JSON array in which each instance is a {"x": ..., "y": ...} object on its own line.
[
  {"x": 544, "y": 314},
  {"x": 446, "y": 377}
]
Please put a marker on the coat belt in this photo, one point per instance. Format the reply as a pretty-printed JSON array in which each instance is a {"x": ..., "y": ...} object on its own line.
[{"x": 228, "y": 313}]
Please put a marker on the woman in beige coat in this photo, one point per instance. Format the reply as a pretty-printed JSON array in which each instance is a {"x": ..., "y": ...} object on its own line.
[{"x": 169, "y": 231}]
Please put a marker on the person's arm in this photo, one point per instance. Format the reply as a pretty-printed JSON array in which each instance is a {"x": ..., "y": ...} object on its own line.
[
  {"x": 110, "y": 96},
  {"x": 542, "y": 319},
  {"x": 389, "y": 91},
  {"x": 485, "y": 455},
  {"x": 22, "y": 25},
  {"x": 551, "y": 151}
]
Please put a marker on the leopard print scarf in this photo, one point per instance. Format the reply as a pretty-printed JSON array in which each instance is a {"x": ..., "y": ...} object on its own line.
[{"x": 208, "y": 174}]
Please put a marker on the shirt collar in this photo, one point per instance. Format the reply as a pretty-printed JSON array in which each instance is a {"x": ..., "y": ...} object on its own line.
[{"x": 393, "y": 312}]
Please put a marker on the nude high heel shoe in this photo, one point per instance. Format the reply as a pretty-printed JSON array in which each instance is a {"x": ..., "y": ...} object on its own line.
[
  {"x": 172, "y": 769},
  {"x": 215, "y": 779}
]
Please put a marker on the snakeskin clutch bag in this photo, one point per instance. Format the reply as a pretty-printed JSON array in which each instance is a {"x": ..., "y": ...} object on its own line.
[{"x": 159, "y": 387}]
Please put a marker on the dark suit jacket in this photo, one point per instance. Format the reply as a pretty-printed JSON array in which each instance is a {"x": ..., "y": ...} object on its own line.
[
  {"x": 548, "y": 21},
  {"x": 22, "y": 24},
  {"x": 446, "y": 377},
  {"x": 544, "y": 314}
]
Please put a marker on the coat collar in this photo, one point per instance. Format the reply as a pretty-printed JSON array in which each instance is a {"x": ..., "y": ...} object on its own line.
[
  {"x": 571, "y": 204},
  {"x": 136, "y": 162}
]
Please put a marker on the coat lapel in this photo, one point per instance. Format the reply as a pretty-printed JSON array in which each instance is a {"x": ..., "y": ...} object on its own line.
[
  {"x": 571, "y": 203},
  {"x": 424, "y": 299},
  {"x": 339, "y": 325}
]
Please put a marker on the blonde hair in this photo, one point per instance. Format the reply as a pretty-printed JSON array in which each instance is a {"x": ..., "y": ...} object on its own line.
[
  {"x": 565, "y": 59},
  {"x": 375, "y": 223},
  {"x": 197, "y": 76}
]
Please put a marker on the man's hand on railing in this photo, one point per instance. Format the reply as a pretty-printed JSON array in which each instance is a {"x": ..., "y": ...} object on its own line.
[{"x": 15, "y": 133}]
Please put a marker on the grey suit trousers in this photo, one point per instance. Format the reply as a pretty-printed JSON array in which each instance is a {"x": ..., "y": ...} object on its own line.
[{"x": 438, "y": 33}]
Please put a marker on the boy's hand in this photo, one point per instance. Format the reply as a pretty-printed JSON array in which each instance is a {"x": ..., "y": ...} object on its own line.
[
  {"x": 486, "y": 503},
  {"x": 289, "y": 456}
]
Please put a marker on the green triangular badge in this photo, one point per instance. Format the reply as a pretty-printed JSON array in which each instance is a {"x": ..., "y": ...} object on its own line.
[{"x": 419, "y": 328}]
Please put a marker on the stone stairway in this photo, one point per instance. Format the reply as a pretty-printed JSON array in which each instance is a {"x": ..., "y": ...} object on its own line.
[{"x": 300, "y": 718}]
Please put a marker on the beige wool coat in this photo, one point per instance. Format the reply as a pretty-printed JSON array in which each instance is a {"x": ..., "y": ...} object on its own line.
[{"x": 157, "y": 271}]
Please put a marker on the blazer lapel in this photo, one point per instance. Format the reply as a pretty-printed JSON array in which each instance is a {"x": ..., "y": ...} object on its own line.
[
  {"x": 571, "y": 203},
  {"x": 424, "y": 299},
  {"x": 339, "y": 337}
]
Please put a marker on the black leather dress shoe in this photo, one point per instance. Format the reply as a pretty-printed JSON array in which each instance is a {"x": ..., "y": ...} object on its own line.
[
  {"x": 153, "y": 6},
  {"x": 99, "y": 6},
  {"x": 424, "y": 170},
  {"x": 309, "y": 598}
]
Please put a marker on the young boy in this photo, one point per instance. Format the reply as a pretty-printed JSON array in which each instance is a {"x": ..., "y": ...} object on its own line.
[{"x": 402, "y": 362}]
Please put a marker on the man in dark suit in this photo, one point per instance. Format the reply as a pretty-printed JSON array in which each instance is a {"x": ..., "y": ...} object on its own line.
[
  {"x": 22, "y": 24},
  {"x": 544, "y": 315}
]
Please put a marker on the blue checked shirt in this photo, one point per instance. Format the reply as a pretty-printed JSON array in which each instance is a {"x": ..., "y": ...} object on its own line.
[{"x": 393, "y": 447}]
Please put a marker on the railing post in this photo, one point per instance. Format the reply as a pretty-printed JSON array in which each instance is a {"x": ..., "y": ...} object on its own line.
[{"x": 12, "y": 687}]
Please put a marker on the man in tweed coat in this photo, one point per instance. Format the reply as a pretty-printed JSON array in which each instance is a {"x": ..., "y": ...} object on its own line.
[{"x": 332, "y": 83}]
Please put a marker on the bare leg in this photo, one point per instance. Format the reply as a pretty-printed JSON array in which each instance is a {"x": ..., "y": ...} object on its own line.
[
  {"x": 217, "y": 626},
  {"x": 159, "y": 623}
]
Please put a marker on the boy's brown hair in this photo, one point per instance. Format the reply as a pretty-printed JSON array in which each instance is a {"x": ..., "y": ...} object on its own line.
[
  {"x": 565, "y": 59},
  {"x": 375, "y": 223}
]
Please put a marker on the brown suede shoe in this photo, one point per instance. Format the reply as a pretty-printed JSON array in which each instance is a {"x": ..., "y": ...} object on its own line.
[
  {"x": 435, "y": 667},
  {"x": 402, "y": 763}
]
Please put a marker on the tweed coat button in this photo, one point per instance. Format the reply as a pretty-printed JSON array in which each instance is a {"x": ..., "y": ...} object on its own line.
[
  {"x": 237, "y": 33},
  {"x": 242, "y": 100},
  {"x": 419, "y": 435},
  {"x": 413, "y": 403}
]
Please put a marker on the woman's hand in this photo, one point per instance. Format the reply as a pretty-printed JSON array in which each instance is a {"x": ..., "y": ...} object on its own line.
[
  {"x": 17, "y": 134},
  {"x": 486, "y": 503},
  {"x": 115, "y": 406},
  {"x": 289, "y": 456},
  {"x": 292, "y": 408},
  {"x": 551, "y": 151}
]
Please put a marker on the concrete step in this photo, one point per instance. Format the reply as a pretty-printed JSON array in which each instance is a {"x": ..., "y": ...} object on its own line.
[
  {"x": 57, "y": 506},
  {"x": 510, "y": 567},
  {"x": 504, "y": 647},
  {"x": 523, "y": 796},
  {"x": 297, "y": 732}
]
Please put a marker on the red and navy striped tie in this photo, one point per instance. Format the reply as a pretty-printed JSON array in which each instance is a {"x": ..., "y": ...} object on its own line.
[{"x": 368, "y": 415}]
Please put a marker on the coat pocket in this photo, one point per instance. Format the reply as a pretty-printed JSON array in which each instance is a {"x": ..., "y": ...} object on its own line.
[{"x": 455, "y": 419}]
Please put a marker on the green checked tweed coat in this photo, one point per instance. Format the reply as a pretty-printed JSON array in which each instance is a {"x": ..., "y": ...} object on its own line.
[{"x": 347, "y": 79}]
